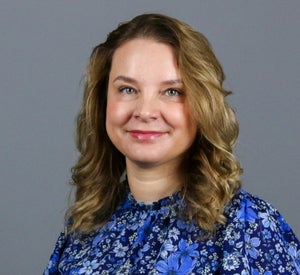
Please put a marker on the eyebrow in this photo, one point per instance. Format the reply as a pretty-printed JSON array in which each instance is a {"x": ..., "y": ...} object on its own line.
[
  {"x": 125, "y": 79},
  {"x": 133, "y": 81}
]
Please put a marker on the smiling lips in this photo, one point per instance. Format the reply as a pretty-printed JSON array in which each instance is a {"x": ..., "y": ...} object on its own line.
[{"x": 145, "y": 135}]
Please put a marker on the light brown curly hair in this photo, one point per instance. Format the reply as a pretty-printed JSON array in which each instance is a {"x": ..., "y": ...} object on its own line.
[{"x": 211, "y": 171}]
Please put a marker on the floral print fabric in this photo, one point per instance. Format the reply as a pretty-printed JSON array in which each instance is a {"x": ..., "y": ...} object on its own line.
[{"x": 153, "y": 239}]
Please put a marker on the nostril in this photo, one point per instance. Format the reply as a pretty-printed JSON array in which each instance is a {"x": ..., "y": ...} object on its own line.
[
  {"x": 146, "y": 111},
  {"x": 145, "y": 116}
]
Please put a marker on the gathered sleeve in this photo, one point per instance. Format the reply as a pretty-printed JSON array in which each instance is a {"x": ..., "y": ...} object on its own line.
[{"x": 266, "y": 241}]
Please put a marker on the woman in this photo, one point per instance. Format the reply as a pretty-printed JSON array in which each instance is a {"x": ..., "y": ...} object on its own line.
[{"x": 154, "y": 108}]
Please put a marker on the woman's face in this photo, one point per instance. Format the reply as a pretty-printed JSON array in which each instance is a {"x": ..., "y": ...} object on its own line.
[{"x": 147, "y": 118}]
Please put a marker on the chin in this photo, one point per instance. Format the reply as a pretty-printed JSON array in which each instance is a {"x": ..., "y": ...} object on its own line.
[{"x": 144, "y": 161}]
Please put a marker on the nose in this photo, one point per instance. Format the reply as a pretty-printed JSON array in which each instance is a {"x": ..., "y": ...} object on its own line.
[{"x": 146, "y": 109}]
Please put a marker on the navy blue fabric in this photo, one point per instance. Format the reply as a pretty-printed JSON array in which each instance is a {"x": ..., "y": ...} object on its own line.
[{"x": 153, "y": 239}]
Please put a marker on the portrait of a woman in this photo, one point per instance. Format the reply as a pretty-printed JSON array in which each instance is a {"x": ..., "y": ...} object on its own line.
[{"x": 158, "y": 187}]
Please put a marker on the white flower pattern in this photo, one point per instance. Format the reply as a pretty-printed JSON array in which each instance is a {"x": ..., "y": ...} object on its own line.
[{"x": 153, "y": 239}]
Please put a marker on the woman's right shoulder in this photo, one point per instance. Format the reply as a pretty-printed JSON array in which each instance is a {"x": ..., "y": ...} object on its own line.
[{"x": 52, "y": 267}]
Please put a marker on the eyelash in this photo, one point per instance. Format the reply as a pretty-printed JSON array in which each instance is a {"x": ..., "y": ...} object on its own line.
[
  {"x": 178, "y": 92},
  {"x": 129, "y": 91},
  {"x": 125, "y": 90}
]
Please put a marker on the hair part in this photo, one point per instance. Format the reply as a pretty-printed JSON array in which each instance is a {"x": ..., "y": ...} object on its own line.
[{"x": 212, "y": 175}]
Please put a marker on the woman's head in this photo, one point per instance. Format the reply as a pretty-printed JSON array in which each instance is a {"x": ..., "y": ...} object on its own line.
[
  {"x": 200, "y": 70},
  {"x": 147, "y": 118},
  {"x": 211, "y": 163}
]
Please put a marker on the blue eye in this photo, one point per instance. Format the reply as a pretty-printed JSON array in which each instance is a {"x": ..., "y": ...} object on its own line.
[
  {"x": 127, "y": 90},
  {"x": 173, "y": 92}
]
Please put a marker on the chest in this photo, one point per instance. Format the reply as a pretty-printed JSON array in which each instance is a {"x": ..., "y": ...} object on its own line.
[{"x": 148, "y": 248}]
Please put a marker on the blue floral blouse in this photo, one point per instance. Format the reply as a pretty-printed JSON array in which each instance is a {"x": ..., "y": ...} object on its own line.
[{"x": 153, "y": 239}]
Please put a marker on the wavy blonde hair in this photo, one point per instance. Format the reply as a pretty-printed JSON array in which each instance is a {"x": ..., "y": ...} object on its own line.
[{"x": 211, "y": 171}]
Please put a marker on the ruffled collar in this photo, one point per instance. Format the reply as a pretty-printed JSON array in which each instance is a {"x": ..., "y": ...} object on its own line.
[{"x": 173, "y": 201}]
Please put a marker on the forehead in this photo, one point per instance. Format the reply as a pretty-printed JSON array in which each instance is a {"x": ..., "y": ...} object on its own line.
[{"x": 144, "y": 56}]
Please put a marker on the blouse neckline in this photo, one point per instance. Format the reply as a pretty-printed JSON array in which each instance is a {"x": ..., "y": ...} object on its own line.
[{"x": 172, "y": 201}]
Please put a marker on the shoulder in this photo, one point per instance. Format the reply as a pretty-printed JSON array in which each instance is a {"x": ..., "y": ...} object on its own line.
[
  {"x": 255, "y": 214},
  {"x": 52, "y": 267},
  {"x": 249, "y": 208},
  {"x": 267, "y": 240}
]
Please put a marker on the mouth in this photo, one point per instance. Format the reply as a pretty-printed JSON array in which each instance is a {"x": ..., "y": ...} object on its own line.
[{"x": 146, "y": 135}]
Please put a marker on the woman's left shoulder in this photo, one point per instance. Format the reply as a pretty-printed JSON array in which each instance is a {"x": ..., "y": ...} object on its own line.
[
  {"x": 248, "y": 208},
  {"x": 268, "y": 240},
  {"x": 251, "y": 209}
]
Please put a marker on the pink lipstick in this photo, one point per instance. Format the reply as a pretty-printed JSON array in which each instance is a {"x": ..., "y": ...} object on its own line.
[{"x": 145, "y": 135}]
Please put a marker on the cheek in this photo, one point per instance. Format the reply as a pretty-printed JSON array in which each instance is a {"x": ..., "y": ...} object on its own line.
[
  {"x": 116, "y": 114},
  {"x": 111, "y": 116},
  {"x": 111, "y": 120},
  {"x": 186, "y": 122},
  {"x": 181, "y": 116}
]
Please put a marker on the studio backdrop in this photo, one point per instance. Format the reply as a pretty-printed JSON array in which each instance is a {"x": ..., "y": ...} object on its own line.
[{"x": 44, "y": 49}]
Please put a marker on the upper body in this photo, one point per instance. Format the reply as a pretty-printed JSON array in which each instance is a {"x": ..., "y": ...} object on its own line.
[
  {"x": 153, "y": 239},
  {"x": 154, "y": 106}
]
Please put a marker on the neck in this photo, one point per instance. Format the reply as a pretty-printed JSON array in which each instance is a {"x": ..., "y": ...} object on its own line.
[{"x": 152, "y": 184}]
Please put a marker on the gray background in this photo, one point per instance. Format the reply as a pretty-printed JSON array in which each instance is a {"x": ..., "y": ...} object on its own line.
[{"x": 44, "y": 49}]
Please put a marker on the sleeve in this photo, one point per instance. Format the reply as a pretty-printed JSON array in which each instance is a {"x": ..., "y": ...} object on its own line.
[
  {"x": 52, "y": 267},
  {"x": 270, "y": 245}
]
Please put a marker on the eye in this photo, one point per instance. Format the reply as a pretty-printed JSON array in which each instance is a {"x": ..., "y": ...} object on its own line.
[
  {"x": 127, "y": 90},
  {"x": 173, "y": 92}
]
